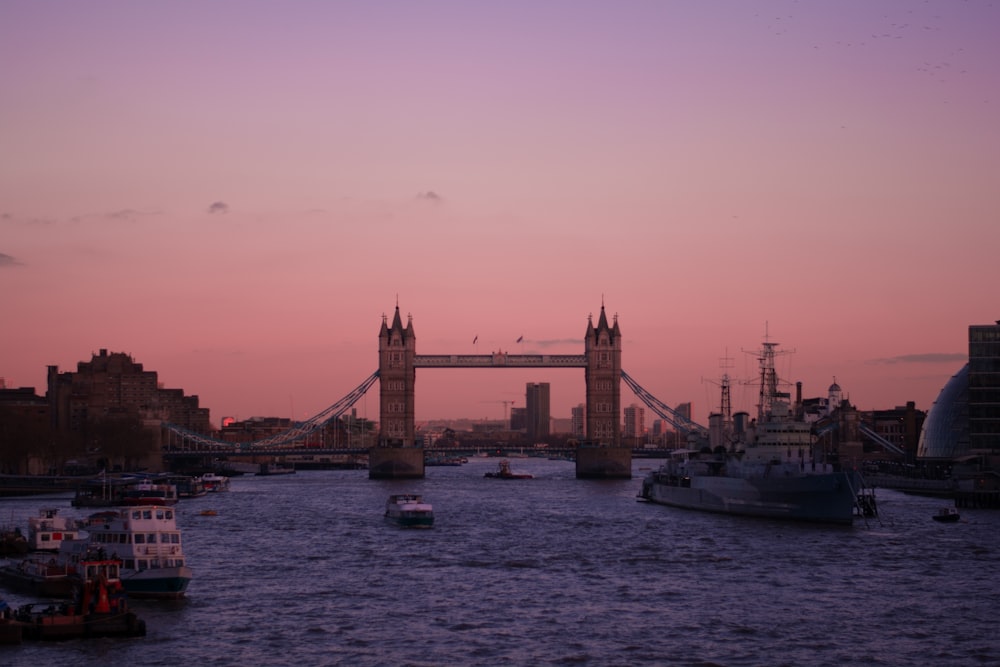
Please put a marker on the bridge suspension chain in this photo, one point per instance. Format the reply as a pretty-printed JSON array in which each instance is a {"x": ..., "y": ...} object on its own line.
[
  {"x": 664, "y": 411},
  {"x": 297, "y": 432}
]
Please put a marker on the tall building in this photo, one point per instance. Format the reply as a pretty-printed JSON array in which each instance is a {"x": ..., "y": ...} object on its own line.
[
  {"x": 536, "y": 406},
  {"x": 984, "y": 388},
  {"x": 578, "y": 416},
  {"x": 518, "y": 419},
  {"x": 113, "y": 385},
  {"x": 635, "y": 421}
]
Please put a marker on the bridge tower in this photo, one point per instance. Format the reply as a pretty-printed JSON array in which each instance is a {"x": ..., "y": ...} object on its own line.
[
  {"x": 397, "y": 455},
  {"x": 602, "y": 456}
]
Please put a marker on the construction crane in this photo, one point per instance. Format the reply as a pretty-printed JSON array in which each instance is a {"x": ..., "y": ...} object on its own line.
[{"x": 506, "y": 404}]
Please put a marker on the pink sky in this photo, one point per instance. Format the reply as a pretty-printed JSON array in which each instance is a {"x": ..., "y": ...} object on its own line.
[{"x": 236, "y": 192}]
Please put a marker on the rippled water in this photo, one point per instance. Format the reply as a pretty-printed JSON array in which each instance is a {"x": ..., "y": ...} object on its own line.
[{"x": 302, "y": 570}]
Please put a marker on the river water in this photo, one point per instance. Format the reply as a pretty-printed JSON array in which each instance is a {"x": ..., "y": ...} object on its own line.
[{"x": 302, "y": 570}]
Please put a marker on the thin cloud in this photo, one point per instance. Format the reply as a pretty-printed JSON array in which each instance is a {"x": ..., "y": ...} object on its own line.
[
  {"x": 430, "y": 196},
  {"x": 218, "y": 207},
  {"x": 127, "y": 214},
  {"x": 926, "y": 358},
  {"x": 7, "y": 260}
]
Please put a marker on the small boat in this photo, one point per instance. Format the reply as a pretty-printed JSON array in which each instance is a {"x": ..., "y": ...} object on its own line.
[
  {"x": 409, "y": 511},
  {"x": 504, "y": 472},
  {"x": 947, "y": 515},
  {"x": 208, "y": 513},
  {"x": 47, "y": 530},
  {"x": 215, "y": 483},
  {"x": 151, "y": 493}
]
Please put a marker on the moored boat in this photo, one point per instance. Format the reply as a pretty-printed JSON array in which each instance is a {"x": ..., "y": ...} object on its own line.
[
  {"x": 47, "y": 530},
  {"x": 214, "y": 483},
  {"x": 409, "y": 511},
  {"x": 147, "y": 541},
  {"x": 503, "y": 471},
  {"x": 771, "y": 469}
]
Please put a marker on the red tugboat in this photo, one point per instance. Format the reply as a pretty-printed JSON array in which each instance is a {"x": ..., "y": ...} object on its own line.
[{"x": 99, "y": 607}]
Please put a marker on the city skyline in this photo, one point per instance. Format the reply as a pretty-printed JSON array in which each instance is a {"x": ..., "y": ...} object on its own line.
[{"x": 235, "y": 195}]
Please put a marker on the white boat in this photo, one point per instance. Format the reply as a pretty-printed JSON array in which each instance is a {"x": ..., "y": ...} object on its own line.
[
  {"x": 147, "y": 541},
  {"x": 47, "y": 530},
  {"x": 215, "y": 483},
  {"x": 409, "y": 511}
]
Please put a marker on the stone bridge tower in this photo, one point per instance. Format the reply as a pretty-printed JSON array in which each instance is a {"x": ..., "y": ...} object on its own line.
[
  {"x": 397, "y": 347},
  {"x": 603, "y": 348},
  {"x": 397, "y": 454},
  {"x": 602, "y": 455}
]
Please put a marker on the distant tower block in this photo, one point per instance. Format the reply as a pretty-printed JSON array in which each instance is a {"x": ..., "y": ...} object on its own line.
[{"x": 397, "y": 454}]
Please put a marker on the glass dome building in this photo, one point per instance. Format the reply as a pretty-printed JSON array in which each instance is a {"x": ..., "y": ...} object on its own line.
[{"x": 945, "y": 434}]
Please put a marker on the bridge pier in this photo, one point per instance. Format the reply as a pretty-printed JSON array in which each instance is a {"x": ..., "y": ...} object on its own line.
[
  {"x": 396, "y": 463},
  {"x": 597, "y": 462}
]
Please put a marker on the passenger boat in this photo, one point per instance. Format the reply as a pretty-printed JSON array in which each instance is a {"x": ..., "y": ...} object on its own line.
[
  {"x": 99, "y": 608},
  {"x": 409, "y": 511},
  {"x": 771, "y": 469},
  {"x": 47, "y": 530},
  {"x": 214, "y": 483},
  {"x": 504, "y": 472},
  {"x": 147, "y": 541},
  {"x": 947, "y": 515}
]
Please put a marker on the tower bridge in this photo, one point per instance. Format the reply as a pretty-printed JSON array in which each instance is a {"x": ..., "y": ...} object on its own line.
[{"x": 398, "y": 453}]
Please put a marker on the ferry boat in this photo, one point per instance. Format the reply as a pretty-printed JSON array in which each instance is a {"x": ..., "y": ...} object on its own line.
[
  {"x": 409, "y": 511},
  {"x": 772, "y": 469},
  {"x": 147, "y": 541},
  {"x": 47, "y": 530}
]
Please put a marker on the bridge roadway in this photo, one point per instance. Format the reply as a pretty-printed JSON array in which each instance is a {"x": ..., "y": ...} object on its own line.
[
  {"x": 502, "y": 359},
  {"x": 640, "y": 452}
]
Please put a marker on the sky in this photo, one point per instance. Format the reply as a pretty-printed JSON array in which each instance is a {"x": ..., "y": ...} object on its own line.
[{"x": 237, "y": 193}]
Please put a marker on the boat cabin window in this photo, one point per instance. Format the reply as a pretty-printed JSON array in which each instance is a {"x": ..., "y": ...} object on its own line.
[
  {"x": 159, "y": 514},
  {"x": 136, "y": 514},
  {"x": 170, "y": 514},
  {"x": 147, "y": 514},
  {"x": 151, "y": 538},
  {"x": 140, "y": 538}
]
